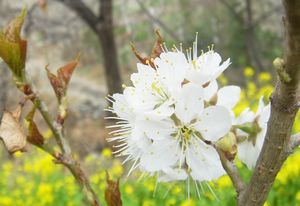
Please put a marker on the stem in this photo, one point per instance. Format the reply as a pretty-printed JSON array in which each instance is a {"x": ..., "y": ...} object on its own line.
[
  {"x": 66, "y": 157},
  {"x": 232, "y": 172}
]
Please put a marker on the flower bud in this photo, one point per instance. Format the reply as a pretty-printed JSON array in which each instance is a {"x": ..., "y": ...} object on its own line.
[{"x": 228, "y": 145}]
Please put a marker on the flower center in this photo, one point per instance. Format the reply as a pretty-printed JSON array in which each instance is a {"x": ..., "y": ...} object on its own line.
[{"x": 186, "y": 133}]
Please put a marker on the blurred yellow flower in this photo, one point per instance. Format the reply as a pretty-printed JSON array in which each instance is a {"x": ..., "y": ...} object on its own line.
[
  {"x": 171, "y": 202},
  {"x": 18, "y": 154},
  {"x": 264, "y": 77},
  {"x": 106, "y": 153},
  {"x": 117, "y": 169},
  {"x": 298, "y": 196},
  {"x": 289, "y": 170},
  {"x": 45, "y": 191},
  {"x": 6, "y": 201},
  {"x": 176, "y": 190},
  {"x": 150, "y": 186},
  {"x": 148, "y": 203},
  {"x": 224, "y": 182},
  {"x": 251, "y": 89},
  {"x": 248, "y": 72},
  {"x": 188, "y": 202},
  {"x": 128, "y": 189}
]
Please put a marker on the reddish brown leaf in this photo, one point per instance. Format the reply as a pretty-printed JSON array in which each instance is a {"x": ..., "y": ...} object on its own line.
[
  {"x": 112, "y": 192},
  {"x": 11, "y": 131},
  {"x": 65, "y": 72},
  {"x": 61, "y": 81},
  {"x": 56, "y": 83},
  {"x": 34, "y": 136},
  {"x": 156, "y": 51}
]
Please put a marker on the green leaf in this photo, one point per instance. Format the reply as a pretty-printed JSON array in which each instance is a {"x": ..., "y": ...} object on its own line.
[{"x": 13, "y": 47}]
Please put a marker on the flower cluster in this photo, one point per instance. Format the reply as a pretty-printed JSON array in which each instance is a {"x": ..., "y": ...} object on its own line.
[{"x": 172, "y": 118}]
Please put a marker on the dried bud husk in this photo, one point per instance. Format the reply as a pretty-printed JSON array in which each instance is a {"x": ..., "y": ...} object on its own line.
[
  {"x": 11, "y": 131},
  {"x": 156, "y": 51},
  {"x": 112, "y": 192},
  {"x": 34, "y": 136}
]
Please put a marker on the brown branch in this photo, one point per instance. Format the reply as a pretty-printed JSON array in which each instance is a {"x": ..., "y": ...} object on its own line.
[
  {"x": 284, "y": 107},
  {"x": 168, "y": 30},
  {"x": 83, "y": 12},
  {"x": 266, "y": 15},
  {"x": 232, "y": 10},
  {"x": 102, "y": 26},
  {"x": 232, "y": 172}
]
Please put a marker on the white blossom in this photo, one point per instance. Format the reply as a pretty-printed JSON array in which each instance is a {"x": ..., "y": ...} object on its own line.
[
  {"x": 248, "y": 150},
  {"x": 166, "y": 125}
]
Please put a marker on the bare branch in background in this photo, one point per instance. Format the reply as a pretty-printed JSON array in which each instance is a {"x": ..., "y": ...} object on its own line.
[
  {"x": 163, "y": 26},
  {"x": 233, "y": 11},
  {"x": 266, "y": 15},
  {"x": 102, "y": 26},
  {"x": 284, "y": 107}
]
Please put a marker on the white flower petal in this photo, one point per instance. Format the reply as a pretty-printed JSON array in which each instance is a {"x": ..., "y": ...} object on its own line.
[
  {"x": 228, "y": 96},
  {"x": 210, "y": 90},
  {"x": 264, "y": 116},
  {"x": 122, "y": 108},
  {"x": 246, "y": 116},
  {"x": 144, "y": 77},
  {"x": 155, "y": 129},
  {"x": 204, "y": 161},
  {"x": 214, "y": 123},
  {"x": 171, "y": 67},
  {"x": 248, "y": 154},
  {"x": 189, "y": 103},
  {"x": 221, "y": 69},
  {"x": 172, "y": 174},
  {"x": 160, "y": 155}
]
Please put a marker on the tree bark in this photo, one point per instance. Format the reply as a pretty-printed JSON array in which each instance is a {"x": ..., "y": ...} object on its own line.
[
  {"x": 109, "y": 48},
  {"x": 284, "y": 106},
  {"x": 102, "y": 25}
]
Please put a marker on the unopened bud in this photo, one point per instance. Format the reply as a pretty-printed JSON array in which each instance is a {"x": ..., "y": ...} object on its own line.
[{"x": 228, "y": 145}]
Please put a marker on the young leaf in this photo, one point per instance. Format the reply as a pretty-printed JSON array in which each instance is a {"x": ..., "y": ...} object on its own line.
[
  {"x": 112, "y": 192},
  {"x": 13, "y": 47},
  {"x": 61, "y": 81},
  {"x": 11, "y": 131}
]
